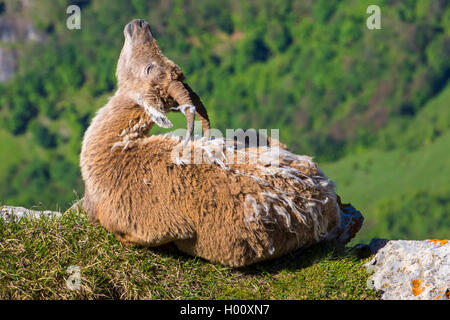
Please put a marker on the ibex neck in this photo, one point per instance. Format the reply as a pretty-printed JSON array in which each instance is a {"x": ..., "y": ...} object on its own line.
[{"x": 120, "y": 121}]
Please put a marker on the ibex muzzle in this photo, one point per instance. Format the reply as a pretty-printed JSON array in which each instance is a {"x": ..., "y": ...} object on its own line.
[{"x": 154, "y": 81}]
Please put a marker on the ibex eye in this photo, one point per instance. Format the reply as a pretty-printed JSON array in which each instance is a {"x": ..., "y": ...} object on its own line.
[{"x": 148, "y": 69}]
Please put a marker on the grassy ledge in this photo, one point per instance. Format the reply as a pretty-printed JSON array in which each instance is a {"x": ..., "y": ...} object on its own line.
[{"x": 35, "y": 256}]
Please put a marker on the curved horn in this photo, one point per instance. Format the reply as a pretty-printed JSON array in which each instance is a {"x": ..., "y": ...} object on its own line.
[
  {"x": 183, "y": 94},
  {"x": 178, "y": 92},
  {"x": 199, "y": 110}
]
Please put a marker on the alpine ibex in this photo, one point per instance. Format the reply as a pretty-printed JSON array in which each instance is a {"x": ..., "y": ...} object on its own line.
[{"x": 226, "y": 211}]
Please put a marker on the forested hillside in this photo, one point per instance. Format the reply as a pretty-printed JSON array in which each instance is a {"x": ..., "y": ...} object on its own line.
[{"x": 371, "y": 106}]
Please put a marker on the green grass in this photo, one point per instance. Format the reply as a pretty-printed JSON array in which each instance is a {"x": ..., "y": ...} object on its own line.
[
  {"x": 35, "y": 255},
  {"x": 371, "y": 179},
  {"x": 379, "y": 174}
]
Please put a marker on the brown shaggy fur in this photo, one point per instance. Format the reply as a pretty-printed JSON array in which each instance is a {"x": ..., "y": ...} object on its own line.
[{"x": 234, "y": 214}]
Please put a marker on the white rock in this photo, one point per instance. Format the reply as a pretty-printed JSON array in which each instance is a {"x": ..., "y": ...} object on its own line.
[
  {"x": 9, "y": 213},
  {"x": 412, "y": 270}
]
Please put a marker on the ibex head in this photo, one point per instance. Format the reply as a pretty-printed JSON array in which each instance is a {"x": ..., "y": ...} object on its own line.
[{"x": 154, "y": 82}]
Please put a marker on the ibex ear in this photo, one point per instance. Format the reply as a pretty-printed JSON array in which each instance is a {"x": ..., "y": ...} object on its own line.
[{"x": 157, "y": 116}]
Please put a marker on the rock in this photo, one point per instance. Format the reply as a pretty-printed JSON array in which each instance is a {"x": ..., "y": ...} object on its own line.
[
  {"x": 411, "y": 270},
  {"x": 7, "y": 64},
  {"x": 14, "y": 29},
  {"x": 8, "y": 30},
  {"x": 376, "y": 244},
  {"x": 9, "y": 213},
  {"x": 351, "y": 223},
  {"x": 362, "y": 250}
]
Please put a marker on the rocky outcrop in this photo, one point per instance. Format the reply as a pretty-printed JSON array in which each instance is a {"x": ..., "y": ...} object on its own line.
[
  {"x": 351, "y": 222},
  {"x": 14, "y": 28},
  {"x": 9, "y": 213},
  {"x": 410, "y": 270},
  {"x": 7, "y": 64}
]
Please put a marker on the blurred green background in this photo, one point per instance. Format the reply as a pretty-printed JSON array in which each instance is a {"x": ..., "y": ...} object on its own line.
[{"x": 371, "y": 106}]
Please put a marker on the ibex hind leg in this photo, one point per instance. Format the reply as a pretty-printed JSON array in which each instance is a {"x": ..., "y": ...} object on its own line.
[
  {"x": 128, "y": 237},
  {"x": 90, "y": 209},
  {"x": 186, "y": 245}
]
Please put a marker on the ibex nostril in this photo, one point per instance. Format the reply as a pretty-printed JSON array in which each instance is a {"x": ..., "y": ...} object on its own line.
[{"x": 141, "y": 22}]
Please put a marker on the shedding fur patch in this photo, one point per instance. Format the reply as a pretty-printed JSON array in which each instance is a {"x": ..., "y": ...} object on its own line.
[
  {"x": 131, "y": 134},
  {"x": 276, "y": 205}
]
